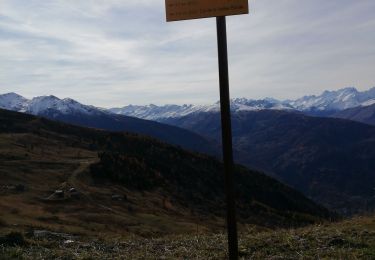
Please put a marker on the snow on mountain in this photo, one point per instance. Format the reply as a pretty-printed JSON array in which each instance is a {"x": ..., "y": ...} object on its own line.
[
  {"x": 328, "y": 101},
  {"x": 334, "y": 100},
  {"x": 45, "y": 104},
  {"x": 13, "y": 101},
  {"x": 243, "y": 104},
  {"x": 153, "y": 112},
  {"x": 368, "y": 103},
  {"x": 40, "y": 105}
]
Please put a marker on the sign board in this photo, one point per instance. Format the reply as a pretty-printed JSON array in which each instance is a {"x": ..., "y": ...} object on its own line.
[{"x": 177, "y": 10}]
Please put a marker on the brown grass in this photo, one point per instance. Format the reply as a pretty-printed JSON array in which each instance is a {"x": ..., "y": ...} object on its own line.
[
  {"x": 51, "y": 165},
  {"x": 349, "y": 239}
]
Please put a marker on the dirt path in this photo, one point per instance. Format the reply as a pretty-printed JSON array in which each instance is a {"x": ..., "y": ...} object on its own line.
[
  {"x": 79, "y": 186},
  {"x": 82, "y": 168}
]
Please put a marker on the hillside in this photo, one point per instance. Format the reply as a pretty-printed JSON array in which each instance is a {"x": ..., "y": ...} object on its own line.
[
  {"x": 148, "y": 187},
  {"x": 363, "y": 114},
  {"x": 349, "y": 239},
  {"x": 330, "y": 160}
]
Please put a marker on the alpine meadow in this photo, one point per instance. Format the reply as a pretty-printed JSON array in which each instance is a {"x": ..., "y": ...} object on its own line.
[{"x": 187, "y": 129}]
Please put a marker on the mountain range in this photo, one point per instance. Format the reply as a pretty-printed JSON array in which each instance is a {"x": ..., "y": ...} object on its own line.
[
  {"x": 326, "y": 104},
  {"x": 329, "y": 103},
  {"x": 70, "y": 111}
]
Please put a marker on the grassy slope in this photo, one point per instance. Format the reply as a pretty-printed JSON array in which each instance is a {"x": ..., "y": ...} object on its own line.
[
  {"x": 46, "y": 155},
  {"x": 350, "y": 239},
  {"x": 51, "y": 166}
]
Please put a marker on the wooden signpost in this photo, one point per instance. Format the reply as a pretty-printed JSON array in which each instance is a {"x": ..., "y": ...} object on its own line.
[{"x": 177, "y": 10}]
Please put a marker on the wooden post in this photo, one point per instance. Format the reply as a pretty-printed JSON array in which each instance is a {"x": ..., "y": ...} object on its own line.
[{"x": 226, "y": 127}]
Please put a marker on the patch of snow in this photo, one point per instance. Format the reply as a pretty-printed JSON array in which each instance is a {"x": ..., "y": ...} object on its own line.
[{"x": 368, "y": 103}]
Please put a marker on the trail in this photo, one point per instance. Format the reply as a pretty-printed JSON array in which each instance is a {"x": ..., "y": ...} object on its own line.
[{"x": 77, "y": 184}]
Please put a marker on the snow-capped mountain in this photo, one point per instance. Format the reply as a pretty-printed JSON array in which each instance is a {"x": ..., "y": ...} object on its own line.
[
  {"x": 45, "y": 105},
  {"x": 40, "y": 105},
  {"x": 326, "y": 103},
  {"x": 70, "y": 111},
  {"x": 13, "y": 101},
  {"x": 154, "y": 112},
  {"x": 335, "y": 100},
  {"x": 243, "y": 104}
]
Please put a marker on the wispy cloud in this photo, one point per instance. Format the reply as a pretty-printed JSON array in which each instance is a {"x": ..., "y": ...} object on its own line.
[{"x": 115, "y": 52}]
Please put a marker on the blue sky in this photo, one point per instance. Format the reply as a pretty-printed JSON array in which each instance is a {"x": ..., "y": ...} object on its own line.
[{"x": 118, "y": 52}]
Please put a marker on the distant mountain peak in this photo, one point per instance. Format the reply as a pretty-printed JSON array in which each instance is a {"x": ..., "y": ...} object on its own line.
[
  {"x": 44, "y": 104},
  {"x": 13, "y": 101},
  {"x": 11, "y": 94},
  {"x": 336, "y": 100}
]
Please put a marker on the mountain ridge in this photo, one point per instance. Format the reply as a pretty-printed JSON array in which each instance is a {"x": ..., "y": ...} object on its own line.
[
  {"x": 326, "y": 104},
  {"x": 70, "y": 111},
  {"x": 363, "y": 114}
]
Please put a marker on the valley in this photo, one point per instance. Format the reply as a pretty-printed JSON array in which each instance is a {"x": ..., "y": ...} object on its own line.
[
  {"x": 330, "y": 160},
  {"x": 300, "y": 142},
  {"x": 51, "y": 178}
]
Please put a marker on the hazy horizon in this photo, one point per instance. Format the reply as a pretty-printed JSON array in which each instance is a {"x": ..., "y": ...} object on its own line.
[{"x": 115, "y": 52}]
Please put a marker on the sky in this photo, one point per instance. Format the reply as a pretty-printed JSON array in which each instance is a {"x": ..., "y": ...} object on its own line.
[{"x": 112, "y": 53}]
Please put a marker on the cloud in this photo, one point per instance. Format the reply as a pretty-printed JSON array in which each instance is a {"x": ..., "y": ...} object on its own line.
[{"x": 115, "y": 52}]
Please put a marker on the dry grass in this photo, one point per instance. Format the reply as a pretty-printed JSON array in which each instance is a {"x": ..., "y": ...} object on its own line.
[
  {"x": 49, "y": 165},
  {"x": 351, "y": 239}
]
